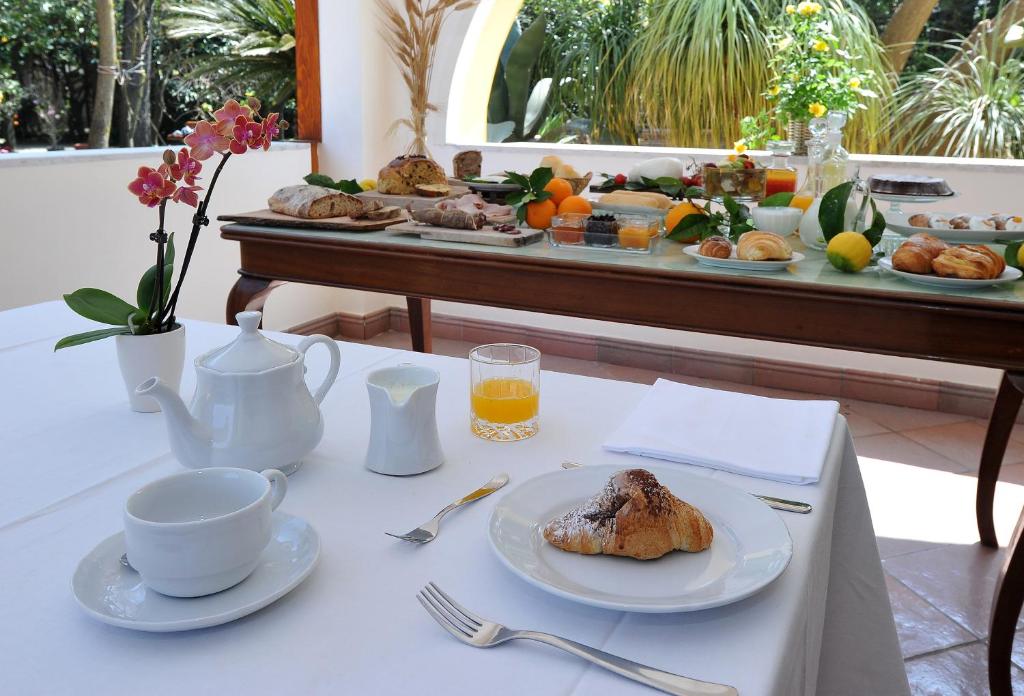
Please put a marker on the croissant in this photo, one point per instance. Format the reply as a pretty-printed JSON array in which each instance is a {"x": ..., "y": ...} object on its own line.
[
  {"x": 718, "y": 247},
  {"x": 633, "y": 516},
  {"x": 917, "y": 253},
  {"x": 999, "y": 261},
  {"x": 965, "y": 262},
  {"x": 763, "y": 246}
]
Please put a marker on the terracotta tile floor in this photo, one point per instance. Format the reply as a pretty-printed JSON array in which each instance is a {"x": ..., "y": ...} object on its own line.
[{"x": 940, "y": 579}]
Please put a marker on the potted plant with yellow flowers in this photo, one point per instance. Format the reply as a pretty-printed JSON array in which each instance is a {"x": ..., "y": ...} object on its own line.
[{"x": 812, "y": 74}]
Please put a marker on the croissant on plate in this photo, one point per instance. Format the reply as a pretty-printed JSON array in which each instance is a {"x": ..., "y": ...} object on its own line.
[
  {"x": 633, "y": 516},
  {"x": 717, "y": 247},
  {"x": 917, "y": 253},
  {"x": 969, "y": 262},
  {"x": 763, "y": 246}
]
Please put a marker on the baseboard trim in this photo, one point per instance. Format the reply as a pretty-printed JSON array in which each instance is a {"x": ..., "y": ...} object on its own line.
[{"x": 898, "y": 390}]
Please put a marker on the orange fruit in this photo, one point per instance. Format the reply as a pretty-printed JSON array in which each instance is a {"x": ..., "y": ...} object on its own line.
[
  {"x": 539, "y": 214},
  {"x": 677, "y": 213},
  {"x": 560, "y": 189},
  {"x": 575, "y": 204}
]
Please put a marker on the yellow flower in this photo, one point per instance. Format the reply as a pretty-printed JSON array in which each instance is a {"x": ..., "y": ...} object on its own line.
[
  {"x": 855, "y": 83},
  {"x": 740, "y": 147},
  {"x": 790, "y": 9},
  {"x": 820, "y": 46},
  {"x": 774, "y": 90},
  {"x": 817, "y": 110},
  {"x": 806, "y": 9}
]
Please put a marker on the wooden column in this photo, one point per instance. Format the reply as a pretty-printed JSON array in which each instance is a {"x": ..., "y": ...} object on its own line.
[{"x": 307, "y": 70}]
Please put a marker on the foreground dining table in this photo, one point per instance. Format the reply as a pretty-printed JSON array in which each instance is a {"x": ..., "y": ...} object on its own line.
[{"x": 73, "y": 451}]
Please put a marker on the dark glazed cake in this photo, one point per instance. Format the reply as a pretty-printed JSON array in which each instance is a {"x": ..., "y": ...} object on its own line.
[{"x": 909, "y": 185}]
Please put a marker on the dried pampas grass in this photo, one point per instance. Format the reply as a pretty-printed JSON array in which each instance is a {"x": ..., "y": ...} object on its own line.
[{"x": 412, "y": 38}]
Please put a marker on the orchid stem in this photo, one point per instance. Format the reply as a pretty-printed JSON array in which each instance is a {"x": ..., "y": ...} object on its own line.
[
  {"x": 199, "y": 220},
  {"x": 157, "y": 302}
]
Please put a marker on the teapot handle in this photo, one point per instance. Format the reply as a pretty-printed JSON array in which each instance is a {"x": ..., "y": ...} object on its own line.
[{"x": 332, "y": 372}]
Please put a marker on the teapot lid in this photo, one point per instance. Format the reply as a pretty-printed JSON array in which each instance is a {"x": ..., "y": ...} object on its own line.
[{"x": 251, "y": 351}]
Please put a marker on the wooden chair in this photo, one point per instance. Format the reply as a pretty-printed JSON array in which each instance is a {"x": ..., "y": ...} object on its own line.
[{"x": 1006, "y": 607}]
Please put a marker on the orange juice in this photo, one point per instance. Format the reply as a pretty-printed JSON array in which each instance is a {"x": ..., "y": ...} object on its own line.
[
  {"x": 801, "y": 201},
  {"x": 635, "y": 236},
  {"x": 505, "y": 400}
]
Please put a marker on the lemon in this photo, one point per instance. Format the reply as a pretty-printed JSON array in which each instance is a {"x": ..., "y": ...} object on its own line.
[
  {"x": 1020, "y": 256},
  {"x": 849, "y": 252},
  {"x": 368, "y": 184}
]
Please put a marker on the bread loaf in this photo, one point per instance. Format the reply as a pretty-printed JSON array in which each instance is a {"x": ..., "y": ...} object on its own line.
[
  {"x": 646, "y": 199},
  {"x": 467, "y": 163},
  {"x": 314, "y": 202},
  {"x": 402, "y": 174},
  {"x": 385, "y": 213}
]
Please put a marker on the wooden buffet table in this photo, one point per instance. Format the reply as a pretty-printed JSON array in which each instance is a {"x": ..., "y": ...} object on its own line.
[{"x": 810, "y": 304}]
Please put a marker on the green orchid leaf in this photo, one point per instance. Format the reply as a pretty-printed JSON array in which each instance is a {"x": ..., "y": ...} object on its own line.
[
  {"x": 832, "y": 213},
  {"x": 1012, "y": 249},
  {"x": 90, "y": 336},
  {"x": 778, "y": 200},
  {"x": 101, "y": 306},
  {"x": 540, "y": 178}
]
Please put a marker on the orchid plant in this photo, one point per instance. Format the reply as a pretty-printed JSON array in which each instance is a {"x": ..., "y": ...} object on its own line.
[{"x": 235, "y": 129}]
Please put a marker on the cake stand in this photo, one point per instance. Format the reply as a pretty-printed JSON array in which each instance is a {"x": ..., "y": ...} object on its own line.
[{"x": 896, "y": 201}]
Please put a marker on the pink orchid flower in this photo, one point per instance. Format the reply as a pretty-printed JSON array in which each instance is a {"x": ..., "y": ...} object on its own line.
[
  {"x": 187, "y": 195},
  {"x": 231, "y": 111},
  {"x": 205, "y": 141},
  {"x": 245, "y": 135},
  {"x": 270, "y": 129},
  {"x": 151, "y": 186},
  {"x": 186, "y": 168}
]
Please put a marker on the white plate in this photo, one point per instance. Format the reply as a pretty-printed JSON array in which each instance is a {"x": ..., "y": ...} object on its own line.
[
  {"x": 492, "y": 187},
  {"x": 629, "y": 210},
  {"x": 116, "y": 595},
  {"x": 1010, "y": 274},
  {"x": 751, "y": 546},
  {"x": 739, "y": 264},
  {"x": 959, "y": 236}
]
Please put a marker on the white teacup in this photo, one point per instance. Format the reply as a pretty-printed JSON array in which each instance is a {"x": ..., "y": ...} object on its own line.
[
  {"x": 780, "y": 220},
  {"x": 200, "y": 532}
]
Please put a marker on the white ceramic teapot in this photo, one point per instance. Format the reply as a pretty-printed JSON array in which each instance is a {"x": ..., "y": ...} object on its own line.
[{"x": 252, "y": 408}]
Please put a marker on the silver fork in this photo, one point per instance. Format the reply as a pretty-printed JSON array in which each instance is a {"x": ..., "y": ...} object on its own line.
[
  {"x": 481, "y": 633},
  {"x": 428, "y": 530}
]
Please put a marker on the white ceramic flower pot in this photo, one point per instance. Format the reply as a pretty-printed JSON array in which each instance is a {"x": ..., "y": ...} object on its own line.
[{"x": 154, "y": 355}]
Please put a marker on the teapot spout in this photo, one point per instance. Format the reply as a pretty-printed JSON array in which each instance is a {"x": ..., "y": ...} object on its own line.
[{"x": 190, "y": 440}]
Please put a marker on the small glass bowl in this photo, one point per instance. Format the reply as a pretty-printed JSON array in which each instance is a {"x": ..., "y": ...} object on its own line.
[{"x": 743, "y": 185}]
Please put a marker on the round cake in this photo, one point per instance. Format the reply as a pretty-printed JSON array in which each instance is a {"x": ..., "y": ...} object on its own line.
[{"x": 909, "y": 185}]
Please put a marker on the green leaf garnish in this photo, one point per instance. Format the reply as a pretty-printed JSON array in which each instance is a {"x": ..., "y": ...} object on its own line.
[{"x": 778, "y": 200}]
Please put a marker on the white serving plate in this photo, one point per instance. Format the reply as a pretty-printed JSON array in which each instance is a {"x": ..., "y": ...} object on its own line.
[
  {"x": 740, "y": 264},
  {"x": 116, "y": 595},
  {"x": 958, "y": 236},
  {"x": 751, "y": 546},
  {"x": 1010, "y": 274}
]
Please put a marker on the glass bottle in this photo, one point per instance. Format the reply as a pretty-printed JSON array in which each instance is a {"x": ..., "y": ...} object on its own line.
[
  {"x": 781, "y": 176},
  {"x": 835, "y": 169},
  {"x": 815, "y": 154}
]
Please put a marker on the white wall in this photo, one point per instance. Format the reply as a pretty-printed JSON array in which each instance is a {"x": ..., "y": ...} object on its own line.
[{"x": 69, "y": 222}]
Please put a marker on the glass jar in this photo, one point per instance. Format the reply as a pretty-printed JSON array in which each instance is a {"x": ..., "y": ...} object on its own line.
[
  {"x": 742, "y": 184},
  {"x": 781, "y": 176}
]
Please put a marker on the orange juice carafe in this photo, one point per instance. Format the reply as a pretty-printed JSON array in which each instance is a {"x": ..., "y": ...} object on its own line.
[{"x": 781, "y": 176}]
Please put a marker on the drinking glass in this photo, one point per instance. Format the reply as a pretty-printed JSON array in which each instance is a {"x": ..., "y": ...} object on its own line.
[{"x": 504, "y": 391}]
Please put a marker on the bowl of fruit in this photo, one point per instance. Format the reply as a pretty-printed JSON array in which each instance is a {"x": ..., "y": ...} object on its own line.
[{"x": 737, "y": 176}]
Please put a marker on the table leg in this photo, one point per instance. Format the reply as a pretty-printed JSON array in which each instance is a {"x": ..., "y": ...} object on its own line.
[
  {"x": 1000, "y": 424},
  {"x": 1006, "y": 606},
  {"x": 248, "y": 294},
  {"x": 419, "y": 323}
]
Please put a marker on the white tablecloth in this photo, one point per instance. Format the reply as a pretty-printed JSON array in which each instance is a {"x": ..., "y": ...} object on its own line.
[{"x": 72, "y": 452}]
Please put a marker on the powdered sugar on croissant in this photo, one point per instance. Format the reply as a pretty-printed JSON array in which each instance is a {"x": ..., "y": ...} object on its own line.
[{"x": 633, "y": 516}]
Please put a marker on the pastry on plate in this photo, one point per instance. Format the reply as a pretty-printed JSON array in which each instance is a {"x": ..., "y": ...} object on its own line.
[
  {"x": 917, "y": 253},
  {"x": 763, "y": 246},
  {"x": 717, "y": 247},
  {"x": 969, "y": 262},
  {"x": 633, "y": 516}
]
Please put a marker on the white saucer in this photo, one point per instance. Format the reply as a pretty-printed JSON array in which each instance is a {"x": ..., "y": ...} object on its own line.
[
  {"x": 738, "y": 264},
  {"x": 751, "y": 546},
  {"x": 1009, "y": 275},
  {"x": 116, "y": 595}
]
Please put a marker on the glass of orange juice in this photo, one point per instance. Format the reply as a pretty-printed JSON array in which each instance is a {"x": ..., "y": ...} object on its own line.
[{"x": 504, "y": 391}]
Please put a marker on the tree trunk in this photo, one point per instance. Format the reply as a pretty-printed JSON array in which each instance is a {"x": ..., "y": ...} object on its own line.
[
  {"x": 989, "y": 36},
  {"x": 903, "y": 30},
  {"x": 99, "y": 128},
  {"x": 136, "y": 58}
]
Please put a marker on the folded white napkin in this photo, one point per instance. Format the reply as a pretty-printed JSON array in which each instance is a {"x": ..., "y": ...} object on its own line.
[{"x": 777, "y": 439}]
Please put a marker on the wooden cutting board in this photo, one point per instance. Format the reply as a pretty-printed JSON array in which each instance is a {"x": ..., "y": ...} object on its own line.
[
  {"x": 485, "y": 236},
  {"x": 337, "y": 224},
  {"x": 417, "y": 202}
]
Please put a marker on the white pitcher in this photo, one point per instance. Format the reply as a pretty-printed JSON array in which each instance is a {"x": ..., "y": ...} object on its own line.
[{"x": 403, "y": 421}]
